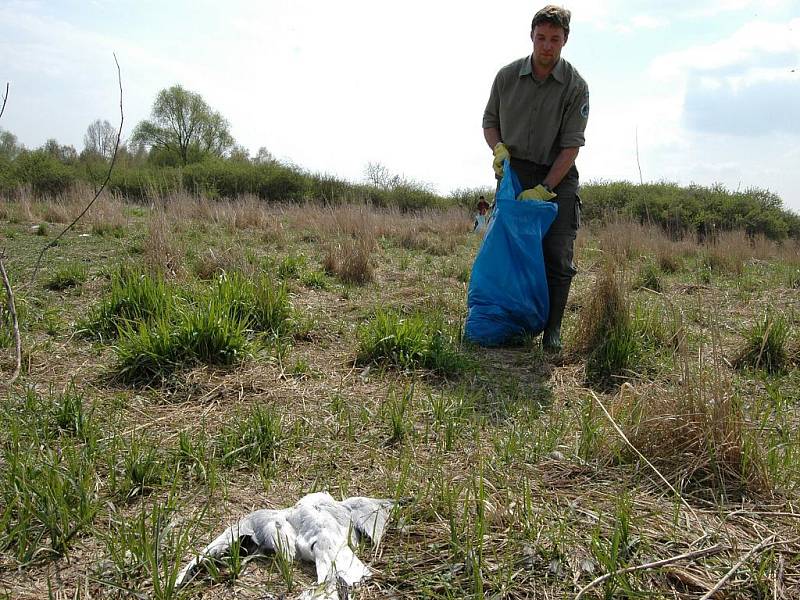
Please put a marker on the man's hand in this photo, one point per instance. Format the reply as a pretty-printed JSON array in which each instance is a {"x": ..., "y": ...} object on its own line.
[
  {"x": 537, "y": 193},
  {"x": 500, "y": 154}
]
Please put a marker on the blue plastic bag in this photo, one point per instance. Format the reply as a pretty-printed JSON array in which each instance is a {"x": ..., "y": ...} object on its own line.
[{"x": 507, "y": 293}]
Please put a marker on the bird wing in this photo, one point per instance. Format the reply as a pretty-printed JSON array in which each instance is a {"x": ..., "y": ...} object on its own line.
[
  {"x": 272, "y": 531},
  {"x": 251, "y": 526},
  {"x": 369, "y": 516}
]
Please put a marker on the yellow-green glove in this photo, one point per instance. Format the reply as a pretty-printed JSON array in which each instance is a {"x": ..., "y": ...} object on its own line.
[
  {"x": 537, "y": 193},
  {"x": 500, "y": 154}
]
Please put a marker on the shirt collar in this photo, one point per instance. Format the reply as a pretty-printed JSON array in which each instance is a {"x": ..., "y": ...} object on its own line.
[{"x": 557, "y": 72}]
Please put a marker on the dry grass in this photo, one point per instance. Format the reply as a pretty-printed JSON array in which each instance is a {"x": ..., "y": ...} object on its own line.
[
  {"x": 695, "y": 435},
  {"x": 624, "y": 240},
  {"x": 162, "y": 253},
  {"x": 606, "y": 309},
  {"x": 350, "y": 259},
  {"x": 520, "y": 486}
]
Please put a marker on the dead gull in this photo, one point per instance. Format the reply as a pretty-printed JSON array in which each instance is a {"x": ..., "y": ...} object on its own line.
[{"x": 317, "y": 529}]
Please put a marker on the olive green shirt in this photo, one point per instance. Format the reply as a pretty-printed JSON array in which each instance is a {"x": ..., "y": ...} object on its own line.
[{"x": 537, "y": 119}]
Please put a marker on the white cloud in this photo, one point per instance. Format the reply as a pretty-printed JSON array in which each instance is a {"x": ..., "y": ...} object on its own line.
[
  {"x": 632, "y": 15},
  {"x": 742, "y": 54}
]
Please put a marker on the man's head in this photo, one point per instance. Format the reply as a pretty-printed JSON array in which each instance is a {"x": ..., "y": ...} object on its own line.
[
  {"x": 554, "y": 15},
  {"x": 549, "y": 33}
]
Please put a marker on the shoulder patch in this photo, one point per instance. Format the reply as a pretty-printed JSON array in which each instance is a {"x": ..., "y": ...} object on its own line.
[{"x": 585, "y": 110}]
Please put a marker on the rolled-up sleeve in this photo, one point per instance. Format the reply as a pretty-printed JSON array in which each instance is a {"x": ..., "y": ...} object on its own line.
[
  {"x": 491, "y": 114},
  {"x": 576, "y": 115}
]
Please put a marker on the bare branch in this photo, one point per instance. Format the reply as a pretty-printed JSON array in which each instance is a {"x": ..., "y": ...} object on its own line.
[
  {"x": 5, "y": 99},
  {"x": 14, "y": 322},
  {"x": 652, "y": 565},
  {"x": 102, "y": 187},
  {"x": 721, "y": 583}
]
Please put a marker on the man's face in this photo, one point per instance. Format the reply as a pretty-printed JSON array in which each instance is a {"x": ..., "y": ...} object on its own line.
[{"x": 548, "y": 40}]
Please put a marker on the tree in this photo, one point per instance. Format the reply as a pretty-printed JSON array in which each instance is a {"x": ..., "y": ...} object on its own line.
[
  {"x": 100, "y": 139},
  {"x": 65, "y": 154},
  {"x": 9, "y": 148},
  {"x": 239, "y": 154},
  {"x": 182, "y": 124},
  {"x": 378, "y": 175},
  {"x": 263, "y": 157}
]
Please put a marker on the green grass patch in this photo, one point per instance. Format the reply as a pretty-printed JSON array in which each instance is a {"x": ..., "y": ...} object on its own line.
[
  {"x": 135, "y": 297},
  {"x": 262, "y": 305},
  {"x": 208, "y": 333},
  {"x": 255, "y": 439},
  {"x": 649, "y": 277},
  {"x": 415, "y": 341},
  {"x": 70, "y": 275}
]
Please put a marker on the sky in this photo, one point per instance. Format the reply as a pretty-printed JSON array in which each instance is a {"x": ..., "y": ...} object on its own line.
[{"x": 708, "y": 90}]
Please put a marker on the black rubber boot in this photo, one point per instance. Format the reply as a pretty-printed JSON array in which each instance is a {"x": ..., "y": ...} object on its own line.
[{"x": 551, "y": 339}]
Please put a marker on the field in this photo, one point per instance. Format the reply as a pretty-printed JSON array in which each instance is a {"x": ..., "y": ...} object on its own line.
[{"x": 187, "y": 362}]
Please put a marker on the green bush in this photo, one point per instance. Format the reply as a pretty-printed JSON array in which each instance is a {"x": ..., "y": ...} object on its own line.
[
  {"x": 8, "y": 181},
  {"x": 218, "y": 178},
  {"x": 44, "y": 173},
  {"x": 695, "y": 210},
  {"x": 143, "y": 183}
]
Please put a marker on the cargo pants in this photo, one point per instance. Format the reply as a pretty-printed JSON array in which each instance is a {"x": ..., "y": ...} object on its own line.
[{"x": 559, "y": 241}]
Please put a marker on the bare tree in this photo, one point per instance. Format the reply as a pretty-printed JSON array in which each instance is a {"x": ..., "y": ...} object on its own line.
[
  {"x": 12, "y": 311},
  {"x": 100, "y": 138},
  {"x": 100, "y": 189},
  {"x": 380, "y": 176}
]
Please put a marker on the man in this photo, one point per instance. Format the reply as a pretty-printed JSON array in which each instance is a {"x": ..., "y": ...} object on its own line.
[
  {"x": 483, "y": 206},
  {"x": 536, "y": 117}
]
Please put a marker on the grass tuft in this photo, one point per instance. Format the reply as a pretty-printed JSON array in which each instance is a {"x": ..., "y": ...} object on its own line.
[
  {"x": 70, "y": 275},
  {"x": 135, "y": 297},
  {"x": 410, "y": 342},
  {"x": 649, "y": 277},
  {"x": 350, "y": 260},
  {"x": 606, "y": 334},
  {"x": 254, "y": 439},
  {"x": 765, "y": 345}
]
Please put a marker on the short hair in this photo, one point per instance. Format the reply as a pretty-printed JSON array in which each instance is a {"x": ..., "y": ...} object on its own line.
[{"x": 555, "y": 15}]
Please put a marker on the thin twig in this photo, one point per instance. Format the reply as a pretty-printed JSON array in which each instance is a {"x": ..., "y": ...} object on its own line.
[
  {"x": 14, "y": 322},
  {"x": 721, "y": 583},
  {"x": 102, "y": 187},
  {"x": 5, "y": 99},
  {"x": 777, "y": 589},
  {"x": 652, "y": 565},
  {"x": 643, "y": 457}
]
